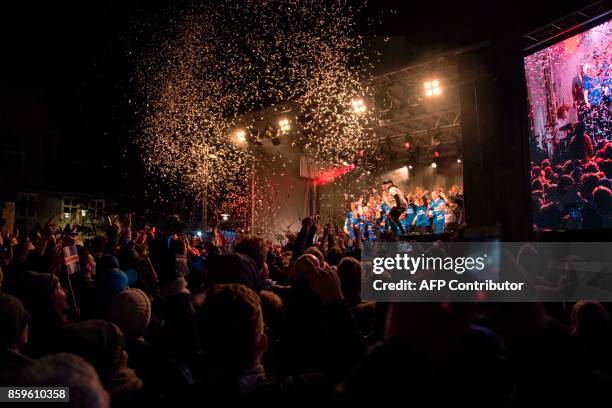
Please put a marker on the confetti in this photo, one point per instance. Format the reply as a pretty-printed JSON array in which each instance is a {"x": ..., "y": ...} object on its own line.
[{"x": 218, "y": 63}]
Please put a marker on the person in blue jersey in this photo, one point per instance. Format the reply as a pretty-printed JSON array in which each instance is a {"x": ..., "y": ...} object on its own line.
[
  {"x": 410, "y": 214},
  {"x": 370, "y": 218},
  {"x": 388, "y": 224},
  {"x": 437, "y": 197},
  {"x": 438, "y": 203},
  {"x": 421, "y": 221},
  {"x": 438, "y": 218},
  {"x": 591, "y": 83},
  {"x": 348, "y": 225},
  {"x": 593, "y": 97}
]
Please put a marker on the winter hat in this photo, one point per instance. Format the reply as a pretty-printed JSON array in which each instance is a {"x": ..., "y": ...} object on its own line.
[
  {"x": 233, "y": 268},
  {"x": 98, "y": 341},
  {"x": 176, "y": 287},
  {"x": 132, "y": 275},
  {"x": 131, "y": 311},
  {"x": 108, "y": 262},
  {"x": 37, "y": 289},
  {"x": 42, "y": 283},
  {"x": 128, "y": 260},
  {"x": 13, "y": 318},
  {"x": 111, "y": 281}
]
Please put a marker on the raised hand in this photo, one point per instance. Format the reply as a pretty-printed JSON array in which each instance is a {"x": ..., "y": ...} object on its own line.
[
  {"x": 14, "y": 239},
  {"x": 128, "y": 221},
  {"x": 50, "y": 226}
]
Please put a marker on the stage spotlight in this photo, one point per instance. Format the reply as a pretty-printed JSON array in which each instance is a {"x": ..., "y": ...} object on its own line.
[
  {"x": 358, "y": 105},
  {"x": 407, "y": 141},
  {"x": 410, "y": 167},
  {"x": 433, "y": 165},
  {"x": 199, "y": 233},
  {"x": 283, "y": 125},
  {"x": 458, "y": 160},
  {"x": 240, "y": 136},
  {"x": 432, "y": 88},
  {"x": 225, "y": 217}
]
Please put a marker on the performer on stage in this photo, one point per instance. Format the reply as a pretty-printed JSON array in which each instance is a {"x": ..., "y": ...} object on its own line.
[
  {"x": 421, "y": 222},
  {"x": 438, "y": 203},
  {"x": 593, "y": 97},
  {"x": 400, "y": 203},
  {"x": 369, "y": 218},
  {"x": 348, "y": 225},
  {"x": 410, "y": 213},
  {"x": 451, "y": 217}
]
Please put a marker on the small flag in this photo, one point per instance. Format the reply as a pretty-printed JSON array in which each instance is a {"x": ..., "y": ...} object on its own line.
[{"x": 71, "y": 259}]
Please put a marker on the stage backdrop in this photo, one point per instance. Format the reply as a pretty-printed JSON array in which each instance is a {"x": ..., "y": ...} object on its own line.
[{"x": 282, "y": 197}]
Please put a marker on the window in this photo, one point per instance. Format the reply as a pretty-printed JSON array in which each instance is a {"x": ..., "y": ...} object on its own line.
[
  {"x": 70, "y": 209},
  {"x": 27, "y": 205},
  {"x": 99, "y": 209}
]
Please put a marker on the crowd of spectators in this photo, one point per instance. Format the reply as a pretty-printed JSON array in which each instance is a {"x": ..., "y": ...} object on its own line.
[
  {"x": 153, "y": 316},
  {"x": 575, "y": 194}
]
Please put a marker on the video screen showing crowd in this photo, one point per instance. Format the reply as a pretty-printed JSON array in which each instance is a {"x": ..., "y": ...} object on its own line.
[
  {"x": 393, "y": 213},
  {"x": 571, "y": 140}
]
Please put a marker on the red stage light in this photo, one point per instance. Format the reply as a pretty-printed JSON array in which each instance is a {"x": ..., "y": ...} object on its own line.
[
  {"x": 407, "y": 145},
  {"x": 329, "y": 175},
  {"x": 436, "y": 153}
]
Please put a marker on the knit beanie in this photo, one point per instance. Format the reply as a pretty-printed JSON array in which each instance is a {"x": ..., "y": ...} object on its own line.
[
  {"x": 98, "y": 341},
  {"x": 233, "y": 268},
  {"x": 131, "y": 311}
]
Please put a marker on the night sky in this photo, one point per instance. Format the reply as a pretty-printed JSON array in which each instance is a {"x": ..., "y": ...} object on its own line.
[{"x": 76, "y": 60}]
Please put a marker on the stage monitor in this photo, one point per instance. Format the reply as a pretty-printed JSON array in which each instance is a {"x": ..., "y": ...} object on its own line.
[{"x": 568, "y": 90}]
